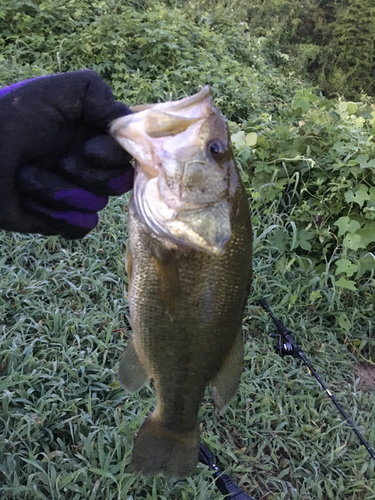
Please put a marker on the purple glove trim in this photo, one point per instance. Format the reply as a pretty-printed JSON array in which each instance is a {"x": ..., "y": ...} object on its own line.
[
  {"x": 78, "y": 219},
  {"x": 80, "y": 198},
  {"x": 17, "y": 85},
  {"x": 123, "y": 183}
]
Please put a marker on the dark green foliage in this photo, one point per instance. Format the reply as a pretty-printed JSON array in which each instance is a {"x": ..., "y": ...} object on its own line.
[
  {"x": 131, "y": 45},
  {"x": 308, "y": 163},
  {"x": 145, "y": 54},
  {"x": 316, "y": 161},
  {"x": 353, "y": 48},
  {"x": 330, "y": 42}
]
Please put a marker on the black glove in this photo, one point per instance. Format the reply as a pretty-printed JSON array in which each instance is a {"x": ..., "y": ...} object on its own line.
[{"x": 57, "y": 164}]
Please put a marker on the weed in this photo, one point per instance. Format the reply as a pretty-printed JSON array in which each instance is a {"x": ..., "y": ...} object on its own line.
[{"x": 66, "y": 427}]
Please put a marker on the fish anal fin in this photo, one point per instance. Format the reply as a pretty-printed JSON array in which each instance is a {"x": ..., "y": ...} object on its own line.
[
  {"x": 131, "y": 373},
  {"x": 166, "y": 268},
  {"x": 159, "y": 449},
  {"x": 224, "y": 385}
]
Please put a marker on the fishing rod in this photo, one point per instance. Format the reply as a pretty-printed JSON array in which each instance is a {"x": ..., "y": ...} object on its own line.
[
  {"x": 223, "y": 481},
  {"x": 287, "y": 346}
]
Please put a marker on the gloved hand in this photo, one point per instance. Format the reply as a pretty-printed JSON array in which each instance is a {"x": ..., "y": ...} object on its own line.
[{"x": 57, "y": 164}]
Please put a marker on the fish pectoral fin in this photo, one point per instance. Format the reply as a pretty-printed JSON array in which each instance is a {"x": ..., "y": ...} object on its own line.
[
  {"x": 167, "y": 272},
  {"x": 224, "y": 385},
  {"x": 131, "y": 373},
  {"x": 129, "y": 266}
]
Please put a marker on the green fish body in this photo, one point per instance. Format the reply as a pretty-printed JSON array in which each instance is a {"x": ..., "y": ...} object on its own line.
[{"x": 189, "y": 266}]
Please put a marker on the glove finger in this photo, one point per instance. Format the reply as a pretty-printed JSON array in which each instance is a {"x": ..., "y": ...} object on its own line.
[
  {"x": 102, "y": 151},
  {"x": 102, "y": 167},
  {"x": 97, "y": 181},
  {"x": 70, "y": 224},
  {"x": 55, "y": 192}
]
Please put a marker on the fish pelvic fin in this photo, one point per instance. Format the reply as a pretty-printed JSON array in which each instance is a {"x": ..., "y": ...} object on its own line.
[
  {"x": 225, "y": 383},
  {"x": 131, "y": 373},
  {"x": 158, "y": 449},
  {"x": 129, "y": 266}
]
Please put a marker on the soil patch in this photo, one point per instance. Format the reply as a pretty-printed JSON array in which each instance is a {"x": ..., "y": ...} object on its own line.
[{"x": 366, "y": 374}]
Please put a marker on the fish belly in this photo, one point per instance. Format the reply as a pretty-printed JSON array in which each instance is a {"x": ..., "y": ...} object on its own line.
[{"x": 186, "y": 309}]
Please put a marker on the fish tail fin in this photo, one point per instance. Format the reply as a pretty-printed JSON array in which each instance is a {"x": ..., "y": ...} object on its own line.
[{"x": 158, "y": 449}]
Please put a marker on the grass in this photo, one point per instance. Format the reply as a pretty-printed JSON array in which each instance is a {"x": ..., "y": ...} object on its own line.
[{"x": 66, "y": 427}]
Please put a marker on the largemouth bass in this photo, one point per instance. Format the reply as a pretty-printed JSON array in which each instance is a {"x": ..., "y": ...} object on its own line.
[{"x": 189, "y": 267}]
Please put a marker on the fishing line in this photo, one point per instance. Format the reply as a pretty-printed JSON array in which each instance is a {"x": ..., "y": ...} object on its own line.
[{"x": 287, "y": 346}]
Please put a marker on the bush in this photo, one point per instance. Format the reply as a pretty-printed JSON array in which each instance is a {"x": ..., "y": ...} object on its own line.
[
  {"x": 316, "y": 162},
  {"x": 313, "y": 158},
  {"x": 145, "y": 54}
]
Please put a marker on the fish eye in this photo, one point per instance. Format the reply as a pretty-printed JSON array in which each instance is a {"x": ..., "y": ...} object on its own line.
[{"x": 216, "y": 149}]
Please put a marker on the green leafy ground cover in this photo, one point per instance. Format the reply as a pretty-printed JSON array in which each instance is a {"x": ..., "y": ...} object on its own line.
[{"x": 66, "y": 428}]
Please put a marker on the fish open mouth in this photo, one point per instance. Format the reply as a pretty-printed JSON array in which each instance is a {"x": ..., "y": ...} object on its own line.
[
  {"x": 179, "y": 191},
  {"x": 137, "y": 132}
]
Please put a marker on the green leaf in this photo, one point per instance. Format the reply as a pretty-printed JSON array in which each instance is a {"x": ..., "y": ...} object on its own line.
[
  {"x": 353, "y": 242},
  {"x": 343, "y": 283},
  {"x": 363, "y": 161},
  {"x": 352, "y": 108},
  {"x": 342, "y": 148},
  {"x": 367, "y": 233},
  {"x": 263, "y": 142},
  {"x": 251, "y": 139},
  {"x": 104, "y": 473},
  {"x": 301, "y": 101},
  {"x": 366, "y": 263},
  {"x": 303, "y": 239},
  {"x": 239, "y": 139},
  {"x": 344, "y": 321},
  {"x": 345, "y": 266},
  {"x": 316, "y": 294},
  {"x": 279, "y": 239},
  {"x": 343, "y": 106},
  {"x": 63, "y": 481},
  {"x": 347, "y": 225},
  {"x": 360, "y": 195}
]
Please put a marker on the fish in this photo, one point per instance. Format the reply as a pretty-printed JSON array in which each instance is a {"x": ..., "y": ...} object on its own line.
[{"x": 189, "y": 273}]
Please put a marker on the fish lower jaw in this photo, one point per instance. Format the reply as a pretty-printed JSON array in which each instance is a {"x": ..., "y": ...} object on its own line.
[
  {"x": 176, "y": 234},
  {"x": 182, "y": 234},
  {"x": 206, "y": 228}
]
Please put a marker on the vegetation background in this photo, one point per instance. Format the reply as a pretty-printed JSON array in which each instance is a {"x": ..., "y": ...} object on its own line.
[{"x": 295, "y": 78}]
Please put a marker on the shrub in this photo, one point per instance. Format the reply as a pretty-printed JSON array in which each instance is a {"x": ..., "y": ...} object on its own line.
[{"x": 316, "y": 161}]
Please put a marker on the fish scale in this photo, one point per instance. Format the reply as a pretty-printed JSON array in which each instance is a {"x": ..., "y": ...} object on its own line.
[{"x": 189, "y": 262}]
